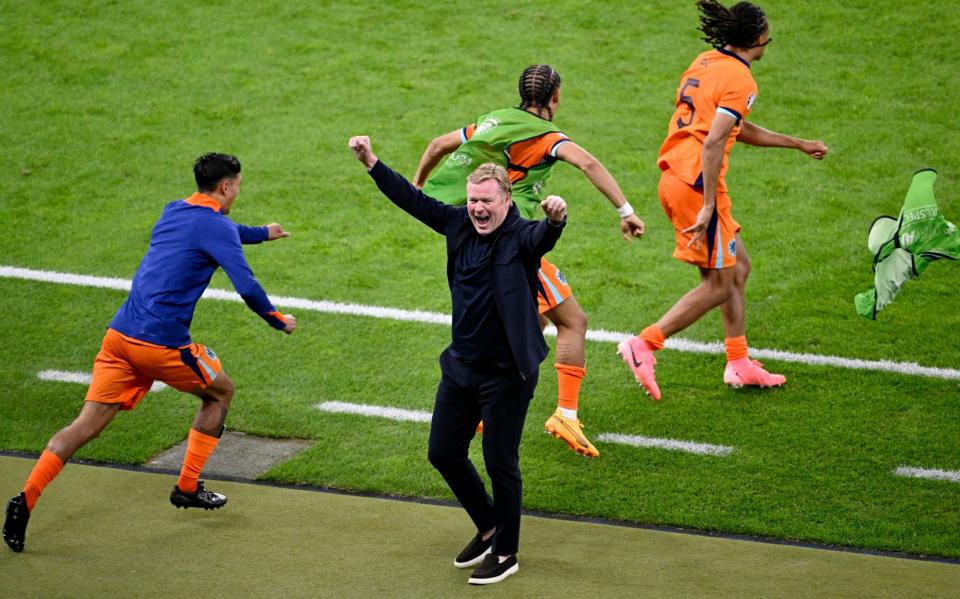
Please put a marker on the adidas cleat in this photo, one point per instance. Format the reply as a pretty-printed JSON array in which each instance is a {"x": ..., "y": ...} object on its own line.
[
  {"x": 639, "y": 357},
  {"x": 15, "y": 526},
  {"x": 569, "y": 431},
  {"x": 747, "y": 372},
  {"x": 208, "y": 500}
]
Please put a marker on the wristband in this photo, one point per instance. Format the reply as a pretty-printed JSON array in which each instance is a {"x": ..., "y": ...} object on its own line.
[{"x": 625, "y": 210}]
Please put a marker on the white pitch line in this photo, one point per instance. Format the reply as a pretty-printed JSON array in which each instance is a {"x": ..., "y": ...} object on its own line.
[
  {"x": 668, "y": 444},
  {"x": 677, "y": 344},
  {"x": 82, "y": 378},
  {"x": 928, "y": 473},
  {"x": 340, "y": 407}
]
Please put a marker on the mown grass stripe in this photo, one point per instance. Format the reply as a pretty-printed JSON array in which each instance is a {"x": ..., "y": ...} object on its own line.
[
  {"x": 82, "y": 378},
  {"x": 677, "y": 344},
  {"x": 668, "y": 444},
  {"x": 928, "y": 473}
]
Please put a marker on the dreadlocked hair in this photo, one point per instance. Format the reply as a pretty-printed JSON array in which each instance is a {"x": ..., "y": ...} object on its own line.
[
  {"x": 738, "y": 26},
  {"x": 537, "y": 85}
]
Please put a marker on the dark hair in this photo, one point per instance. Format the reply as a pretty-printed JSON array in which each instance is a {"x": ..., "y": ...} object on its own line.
[
  {"x": 212, "y": 168},
  {"x": 738, "y": 26},
  {"x": 538, "y": 83}
]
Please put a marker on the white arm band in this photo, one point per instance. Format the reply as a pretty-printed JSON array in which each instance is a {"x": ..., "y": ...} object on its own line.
[{"x": 625, "y": 210}]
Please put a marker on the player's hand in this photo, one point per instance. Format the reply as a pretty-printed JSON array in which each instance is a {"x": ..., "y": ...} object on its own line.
[
  {"x": 555, "y": 209},
  {"x": 275, "y": 231},
  {"x": 699, "y": 227},
  {"x": 360, "y": 144},
  {"x": 631, "y": 226},
  {"x": 815, "y": 149},
  {"x": 291, "y": 324}
]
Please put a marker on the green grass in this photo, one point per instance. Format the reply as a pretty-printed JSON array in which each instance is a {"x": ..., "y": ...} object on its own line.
[{"x": 107, "y": 104}]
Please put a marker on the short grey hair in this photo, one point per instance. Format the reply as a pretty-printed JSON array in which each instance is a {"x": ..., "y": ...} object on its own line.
[{"x": 489, "y": 170}]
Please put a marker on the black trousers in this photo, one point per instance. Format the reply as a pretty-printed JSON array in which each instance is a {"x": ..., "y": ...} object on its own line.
[{"x": 467, "y": 394}]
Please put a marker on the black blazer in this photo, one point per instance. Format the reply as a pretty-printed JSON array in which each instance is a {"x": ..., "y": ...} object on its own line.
[{"x": 514, "y": 259}]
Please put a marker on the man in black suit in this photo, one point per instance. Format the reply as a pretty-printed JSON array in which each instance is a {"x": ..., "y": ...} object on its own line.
[{"x": 490, "y": 369}]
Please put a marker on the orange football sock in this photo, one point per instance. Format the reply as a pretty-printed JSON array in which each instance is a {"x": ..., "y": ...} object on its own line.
[
  {"x": 653, "y": 336},
  {"x": 568, "y": 382},
  {"x": 199, "y": 448},
  {"x": 736, "y": 348},
  {"x": 47, "y": 468}
]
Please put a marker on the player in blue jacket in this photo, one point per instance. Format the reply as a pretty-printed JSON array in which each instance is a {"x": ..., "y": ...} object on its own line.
[{"x": 149, "y": 338}]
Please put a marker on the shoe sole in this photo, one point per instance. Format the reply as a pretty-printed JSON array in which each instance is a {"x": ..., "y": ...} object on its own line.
[
  {"x": 741, "y": 386},
  {"x": 575, "y": 448},
  {"x": 16, "y": 545},
  {"x": 472, "y": 562},
  {"x": 511, "y": 570},
  {"x": 211, "y": 507}
]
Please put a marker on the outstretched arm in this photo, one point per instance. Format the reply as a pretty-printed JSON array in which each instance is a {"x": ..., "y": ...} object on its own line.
[
  {"x": 251, "y": 235},
  {"x": 398, "y": 190},
  {"x": 223, "y": 245},
  {"x": 630, "y": 223},
  {"x": 755, "y": 135},
  {"x": 438, "y": 148}
]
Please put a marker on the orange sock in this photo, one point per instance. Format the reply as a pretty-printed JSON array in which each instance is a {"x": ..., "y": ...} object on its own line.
[
  {"x": 47, "y": 468},
  {"x": 568, "y": 383},
  {"x": 736, "y": 348},
  {"x": 653, "y": 336},
  {"x": 199, "y": 448}
]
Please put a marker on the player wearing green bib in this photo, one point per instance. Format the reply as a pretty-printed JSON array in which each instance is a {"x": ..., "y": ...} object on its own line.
[{"x": 525, "y": 141}]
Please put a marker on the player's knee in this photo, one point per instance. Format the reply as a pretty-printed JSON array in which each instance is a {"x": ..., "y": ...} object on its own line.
[
  {"x": 578, "y": 322},
  {"x": 742, "y": 271},
  {"x": 439, "y": 459},
  {"x": 572, "y": 319},
  {"x": 719, "y": 290},
  {"x": 228, "y": 390},
  {"x": 222, "y": 390}
]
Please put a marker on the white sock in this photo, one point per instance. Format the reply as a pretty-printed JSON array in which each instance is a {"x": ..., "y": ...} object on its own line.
[{"x": 567, "y": 413}]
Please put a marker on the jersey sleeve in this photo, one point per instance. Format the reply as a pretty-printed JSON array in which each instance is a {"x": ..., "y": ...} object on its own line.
[
  {"x": 250, "y": 235},
  {"x": 467, "y": 132},
  {"x": 737, "y": 98},
  {"x": 553, "y": 141},
  {"x": 221, "y": 242}
]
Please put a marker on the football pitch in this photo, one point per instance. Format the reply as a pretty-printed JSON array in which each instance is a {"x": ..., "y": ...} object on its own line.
[{"x": 106, "y": 105}]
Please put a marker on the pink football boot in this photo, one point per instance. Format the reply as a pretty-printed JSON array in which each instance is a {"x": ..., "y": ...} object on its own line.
[
  {"x": 639, "y": 357},
  {"x": 750, "y": 372}
]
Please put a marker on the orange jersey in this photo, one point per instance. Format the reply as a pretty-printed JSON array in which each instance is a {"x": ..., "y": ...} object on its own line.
[
  {"x": 526, "y": 154},
  {"x": 718, "y": 81}
]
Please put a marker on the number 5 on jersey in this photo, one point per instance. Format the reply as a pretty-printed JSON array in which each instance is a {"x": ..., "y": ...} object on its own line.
[{"x": 685, "y": 99}]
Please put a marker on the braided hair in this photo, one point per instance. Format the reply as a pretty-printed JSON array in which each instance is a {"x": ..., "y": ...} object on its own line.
[
  {"x": 739, "y": 26},
  {"x": 537, "y": 85}
]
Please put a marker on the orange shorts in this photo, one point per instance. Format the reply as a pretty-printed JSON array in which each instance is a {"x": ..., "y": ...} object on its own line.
[
  {"x": 681, "y": 202},
  {"x": 552, "y": 288},
  {"x": 125, "y": 369}
]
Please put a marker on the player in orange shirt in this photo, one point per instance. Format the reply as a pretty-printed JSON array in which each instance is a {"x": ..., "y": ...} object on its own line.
[{"x": 715, "y": 96}]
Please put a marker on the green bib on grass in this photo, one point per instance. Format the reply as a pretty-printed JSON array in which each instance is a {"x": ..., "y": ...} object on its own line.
[
  {"x": 495, "y": 133},
  {"x": 903, "y": 248}
]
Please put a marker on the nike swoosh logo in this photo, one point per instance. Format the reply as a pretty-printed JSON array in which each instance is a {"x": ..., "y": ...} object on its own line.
[{"x": 580, "y": 439}]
